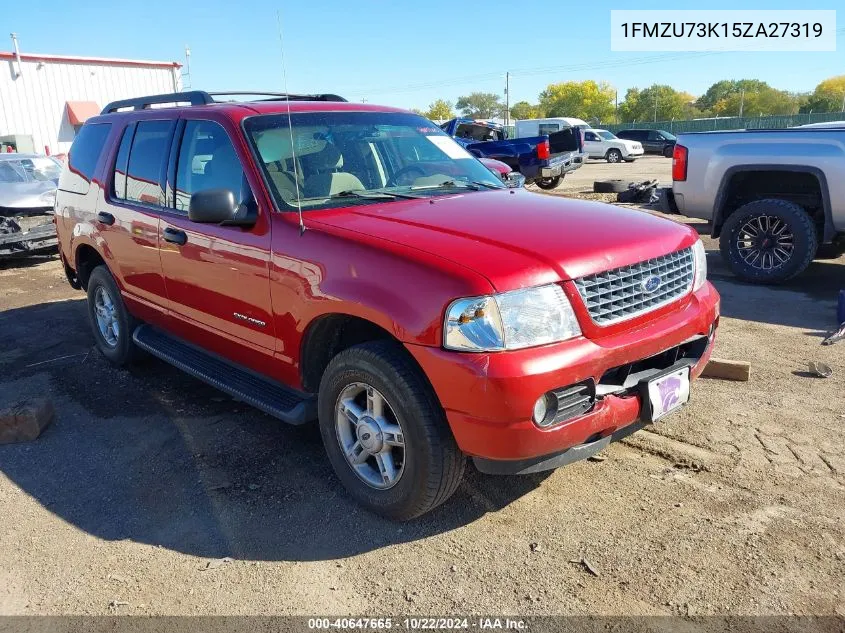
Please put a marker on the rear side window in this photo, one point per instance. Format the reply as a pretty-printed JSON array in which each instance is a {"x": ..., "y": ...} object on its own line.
[
  {"x": 145, "y": 173},
  {"x": 207, "y": 160},
  {"x": 119, "y": 180},
  {"x": 83, "y": 157}
]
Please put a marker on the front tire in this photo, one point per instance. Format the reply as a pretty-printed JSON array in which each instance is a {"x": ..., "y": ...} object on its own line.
[
  {"x": 614, "y": 156},
  {"x": 768, "y": 241},
  {"x": 385, "y": 433},
  {"x": 668, "y": 151},
  {"x": 548, "y": 183},
  {"x": 111, "y": 323}
]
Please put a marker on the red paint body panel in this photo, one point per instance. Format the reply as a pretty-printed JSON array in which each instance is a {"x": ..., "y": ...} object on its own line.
[
  {"x": 489, "y": 398},
  {"x": 397, "y": 265}
]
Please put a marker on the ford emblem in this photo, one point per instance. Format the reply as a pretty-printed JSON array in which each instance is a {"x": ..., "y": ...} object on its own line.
[{"x": 650, "y": 284}]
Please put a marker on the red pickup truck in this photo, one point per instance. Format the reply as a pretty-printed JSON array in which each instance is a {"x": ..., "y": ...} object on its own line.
[{"x": 352, "y": 264}]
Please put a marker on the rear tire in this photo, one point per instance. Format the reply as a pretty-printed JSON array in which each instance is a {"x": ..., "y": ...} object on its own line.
[
  {"x": 111, "y": 323},
  {"x": 548, "y": 183},
  {"x": 668, "y": 151},
  {"x": 768, "y": 241},
  {"x": 614, "y": 156},
  {"x": 425, "y": 462}
]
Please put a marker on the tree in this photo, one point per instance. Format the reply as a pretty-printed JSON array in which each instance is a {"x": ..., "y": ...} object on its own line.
[
  {"x": 481, "y": 105},
  {"x": 440, "y": 110},
  {"x": 749, "y": 97},
  {"x": 524, "y": 110},
  {"x": 828, "y": 96},
  {"x": 580, "y": 99},
  {"x": 655, "y": 103}
]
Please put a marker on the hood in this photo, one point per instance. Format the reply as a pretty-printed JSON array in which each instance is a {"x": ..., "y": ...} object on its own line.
[
  {"x": 516, "y": 238},
  {"x": 25, "y": 195},
  {"x": 628, "y": 143}
]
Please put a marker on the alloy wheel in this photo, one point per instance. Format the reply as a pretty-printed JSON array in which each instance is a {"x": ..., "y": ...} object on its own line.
[
  {"x": 765, "y": 242},
  {"x": 106, "y": 315},
  {"x": 370, "y": 435}
]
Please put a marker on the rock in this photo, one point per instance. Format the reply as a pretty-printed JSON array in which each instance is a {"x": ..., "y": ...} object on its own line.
[
  {"x": 454, "y": 568},
  {"x": 535, "y": 547},
  {"x": 214, "y": 564},
  {"x": 25, "y": 420}
]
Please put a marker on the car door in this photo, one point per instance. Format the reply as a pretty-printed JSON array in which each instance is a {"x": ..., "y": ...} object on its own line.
[
  {"x": 217, "y": 277},
  {"x": 128, "y": 213},
  {"x": 655, "y": 141},
  {"x": 593, "y": 144}
]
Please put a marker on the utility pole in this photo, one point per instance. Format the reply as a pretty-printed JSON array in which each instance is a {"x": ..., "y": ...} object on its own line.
[
  {"x": 741, "y": 100},
  {"x": 507, "y": 99},
  {"x": 655, "y": 108},
  {"x": 186, "y": 75},
  {"x": 616, "y": 101}
]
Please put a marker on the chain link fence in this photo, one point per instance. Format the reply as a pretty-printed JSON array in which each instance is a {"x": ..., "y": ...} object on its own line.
[{"x": 731, "y": 123}]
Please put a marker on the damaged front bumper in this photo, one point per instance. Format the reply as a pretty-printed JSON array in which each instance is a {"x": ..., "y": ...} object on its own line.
[{"x": 27, "y": 233}]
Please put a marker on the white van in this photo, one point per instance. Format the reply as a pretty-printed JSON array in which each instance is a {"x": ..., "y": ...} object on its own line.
[{"x": 536, "y": 127}]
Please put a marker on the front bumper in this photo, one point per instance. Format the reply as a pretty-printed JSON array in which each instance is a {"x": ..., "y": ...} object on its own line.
[{"x": 488, "y": 398}]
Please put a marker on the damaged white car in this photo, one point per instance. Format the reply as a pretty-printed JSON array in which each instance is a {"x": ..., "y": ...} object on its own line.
[{"x": 27, "y": 196}]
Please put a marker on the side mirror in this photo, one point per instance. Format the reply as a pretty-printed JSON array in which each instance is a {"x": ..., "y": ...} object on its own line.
[{"x": 219, "y": 206}]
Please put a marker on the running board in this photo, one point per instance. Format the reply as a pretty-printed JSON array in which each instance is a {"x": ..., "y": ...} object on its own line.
[{"x": 270, "y": 397}]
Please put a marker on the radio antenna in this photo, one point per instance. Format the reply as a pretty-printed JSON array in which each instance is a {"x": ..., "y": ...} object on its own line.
[{"x": 290, "y": 126}]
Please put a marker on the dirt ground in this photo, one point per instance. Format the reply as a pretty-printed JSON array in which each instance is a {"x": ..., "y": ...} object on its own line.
[{"x": 152, "y": 493}]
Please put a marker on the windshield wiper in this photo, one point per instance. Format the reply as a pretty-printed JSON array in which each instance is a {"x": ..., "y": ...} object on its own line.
[
  {"x": 363, "y": 194},
  {"x": 474, "y": 185}
]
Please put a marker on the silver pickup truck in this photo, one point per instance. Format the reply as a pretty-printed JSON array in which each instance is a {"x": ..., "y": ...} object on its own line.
[{"x": 776, "y": 198}]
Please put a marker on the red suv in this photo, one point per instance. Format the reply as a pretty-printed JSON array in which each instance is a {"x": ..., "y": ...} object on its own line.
[{"x": 352, "y": 264}]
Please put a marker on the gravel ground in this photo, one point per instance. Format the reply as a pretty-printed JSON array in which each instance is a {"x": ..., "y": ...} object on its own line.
[{"x": 151, "y": 493}]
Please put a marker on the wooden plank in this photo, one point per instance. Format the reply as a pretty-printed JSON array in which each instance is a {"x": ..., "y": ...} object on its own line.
[{"x": 727, "y": 369}]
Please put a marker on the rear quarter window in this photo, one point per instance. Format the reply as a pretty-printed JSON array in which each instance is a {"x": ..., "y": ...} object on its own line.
[{"x": 83, "y": 157}]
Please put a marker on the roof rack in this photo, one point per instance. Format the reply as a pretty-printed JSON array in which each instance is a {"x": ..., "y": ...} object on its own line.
[{"x": 200, "y": 97}]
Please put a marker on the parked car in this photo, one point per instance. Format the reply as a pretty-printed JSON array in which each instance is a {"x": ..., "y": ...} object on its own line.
[
  {"x": 653, "y": 141},
  {"x": 512, "y": 179},
  {"x": 353, "y": 264},
  {"x": 775, "y": 198},
  {"x": 543, "y": 160},
  {"x": 604, "y": 144},
  {"x": 27, "y": 195}
]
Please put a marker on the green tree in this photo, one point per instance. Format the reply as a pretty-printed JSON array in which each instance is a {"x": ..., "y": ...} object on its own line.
[
  {"x": 481, "y": 105},
  {"x": 524, "y": 110},
  {"x": 829, "y": 96},
  {"x": 440, "y": 110},
  {"x": 722, "y": 90},
  {"x": 750, "y": 97},
  {"x": 655, "y": 103},
  {"x": 580, "y": 99}
]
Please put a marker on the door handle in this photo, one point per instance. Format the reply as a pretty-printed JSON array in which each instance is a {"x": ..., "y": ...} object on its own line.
[
  {"x": 175, "y": 236},
  {"x": 105, "y": 218}
]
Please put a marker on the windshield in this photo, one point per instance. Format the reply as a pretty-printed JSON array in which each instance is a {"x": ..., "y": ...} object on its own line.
[
  {"x": 668, "y": 136},
  {"x": 30, "y": 169},
  {"x": 605, "y": 134},
  {"x": 343, "y": 158}
]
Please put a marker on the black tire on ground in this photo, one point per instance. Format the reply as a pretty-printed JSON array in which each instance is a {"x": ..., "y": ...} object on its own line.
[
  {"x": 769, "y": 213},
  {"x": 614, "y": 156},
  {"x": 434, "y": 464},
  {"x": 615, "y": 185},
  {"x": 121, "y": 350},
  {"x": 548, "y": 183},
  {"x": 668, "y": 151}
]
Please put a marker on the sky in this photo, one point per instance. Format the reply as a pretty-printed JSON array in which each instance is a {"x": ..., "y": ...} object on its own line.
[{"x": 399, "y": 53}]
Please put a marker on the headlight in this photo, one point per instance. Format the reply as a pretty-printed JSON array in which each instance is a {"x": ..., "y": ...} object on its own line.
[
  {"x": 510, "y": 320},
  {"x": 699, "y": 256}
]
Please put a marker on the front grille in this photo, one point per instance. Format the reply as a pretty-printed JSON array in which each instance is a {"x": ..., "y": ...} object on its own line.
[{"x": 620, "y": 294}]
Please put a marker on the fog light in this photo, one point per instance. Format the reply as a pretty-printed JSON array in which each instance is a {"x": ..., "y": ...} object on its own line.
[{"x": 541, "y": 409}]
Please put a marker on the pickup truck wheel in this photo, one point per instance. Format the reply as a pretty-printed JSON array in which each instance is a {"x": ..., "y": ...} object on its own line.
[
  {"x": 768, "y": 241},
  {"x": 548, "y": 183},
  {"x": 614, "y": 156},
  {"x": 111, "y": 323},
  {"x": 385, "y": 434}
]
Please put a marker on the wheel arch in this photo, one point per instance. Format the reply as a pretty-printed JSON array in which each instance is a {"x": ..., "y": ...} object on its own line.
[
  {"x": 722, "y": 205},
  {"x": 329, "y": 334},
  {"x": 86, "y": 258}
]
